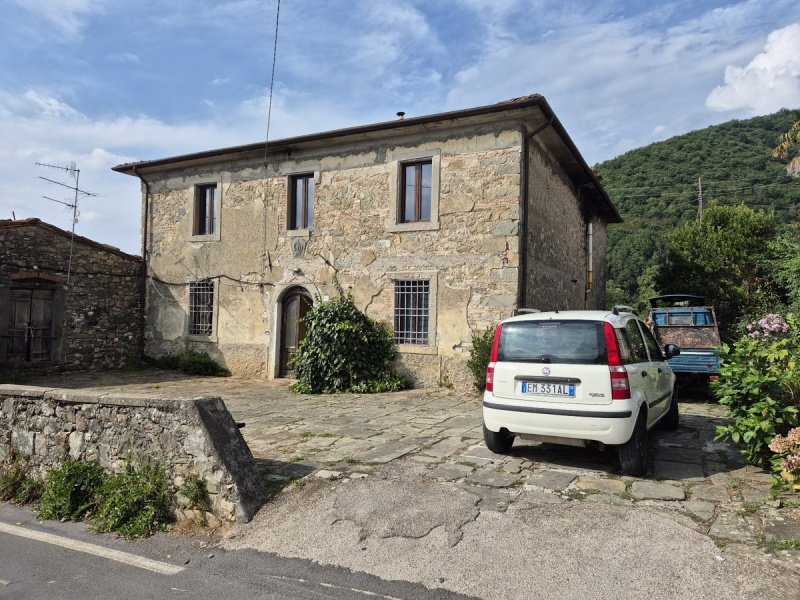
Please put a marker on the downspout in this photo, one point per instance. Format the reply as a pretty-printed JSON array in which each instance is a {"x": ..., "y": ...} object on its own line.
[
  {"x": 523, "y": 214},
  {"x": 143, "y": 287}
]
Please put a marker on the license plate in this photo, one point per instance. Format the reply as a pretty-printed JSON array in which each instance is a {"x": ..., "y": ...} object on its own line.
[{"x": 560, "y": 390}]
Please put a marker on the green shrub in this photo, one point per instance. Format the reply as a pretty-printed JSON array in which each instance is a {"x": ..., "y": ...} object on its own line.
[
  {"x": 191, "y": 362},
  {"x": 344, "y": 350},
  {"x": 479, "y": 357},
  {"x": 70, "y": 491},
  {"x": 760, "y": 386},
  {"x": 136, "y": 502},
  {"x": 17, "y": 485}
]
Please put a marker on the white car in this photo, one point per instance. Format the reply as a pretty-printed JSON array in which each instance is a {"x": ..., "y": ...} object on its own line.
[{"x": 579, "y": 378}]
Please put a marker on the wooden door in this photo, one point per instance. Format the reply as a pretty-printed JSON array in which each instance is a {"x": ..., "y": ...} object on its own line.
[
  {"x": 295, "y": 306},
  {"x": 30, "y": 327}
]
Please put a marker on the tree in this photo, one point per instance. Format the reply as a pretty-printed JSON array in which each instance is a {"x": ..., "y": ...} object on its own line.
[
  {"x": 788, "y": 145},
  {"x": 725, "y": 258}
]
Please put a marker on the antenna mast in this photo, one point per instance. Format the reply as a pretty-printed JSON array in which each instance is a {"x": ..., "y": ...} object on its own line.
[{"x": 73, "y": 171}]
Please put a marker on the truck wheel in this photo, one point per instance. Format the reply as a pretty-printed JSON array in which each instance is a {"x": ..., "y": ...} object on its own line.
[
  {"x": 633, "y": 453},
  {"x": 671, "y": 420},
  {"x": 498, "y": 442}
]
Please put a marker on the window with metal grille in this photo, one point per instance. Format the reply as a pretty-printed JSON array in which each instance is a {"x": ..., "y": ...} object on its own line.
[
  {"x": 301, "y": 202},
  {"x": 411, "y": 311},
  {"x": 201, "y": 307},
  {"x": 205, "y": 219}
]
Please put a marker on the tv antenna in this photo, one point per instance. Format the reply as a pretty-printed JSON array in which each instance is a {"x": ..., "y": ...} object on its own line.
[{"x": 73, "y": 171}]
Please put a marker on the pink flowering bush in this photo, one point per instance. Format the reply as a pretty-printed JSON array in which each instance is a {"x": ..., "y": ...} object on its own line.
[
  {"x": 788, "y": 450},
  {"x": 772, "y": 325},
  {"x": 760, "y": 386}
]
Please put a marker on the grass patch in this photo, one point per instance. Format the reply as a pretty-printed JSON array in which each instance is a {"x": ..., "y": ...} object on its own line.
[
  {"x": 626, "y": 495},
  {"x": 350, "y": 460},
  {"x": 748, "y": 508},
  {"x": 467, "y": 463},
  {"x": 575, "y": 494},
  {"x": 785, "y": 544},
  {"x": 306, "y": 435},
  {"x": 298, "y": 458}
]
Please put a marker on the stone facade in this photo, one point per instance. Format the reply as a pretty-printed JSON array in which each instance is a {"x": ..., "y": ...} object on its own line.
[
  {"x": 468, "y": 252},
  {"x": 187, "y": 436},
  {"x": 92, "y": 321}
]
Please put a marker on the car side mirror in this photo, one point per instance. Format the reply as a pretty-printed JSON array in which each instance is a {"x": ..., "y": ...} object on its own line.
[{"x": 671, "y": 350}]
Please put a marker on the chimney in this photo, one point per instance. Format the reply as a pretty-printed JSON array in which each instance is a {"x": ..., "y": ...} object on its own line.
[{"x": 401, "y": 115}]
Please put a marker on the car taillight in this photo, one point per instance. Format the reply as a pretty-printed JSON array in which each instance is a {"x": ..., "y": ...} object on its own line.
[
  {"x": 620, "y": 386},
  {"x": 493, "y": 359}
]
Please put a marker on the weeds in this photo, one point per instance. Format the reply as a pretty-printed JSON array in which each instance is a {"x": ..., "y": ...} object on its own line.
[
  {"x": 196, "y": 492},
  {"x": 191, "y": 362},
  {"x": 17, "y": 485},
  {"x": 136, "y": 502},
  {"x": 71, "y": 491}
]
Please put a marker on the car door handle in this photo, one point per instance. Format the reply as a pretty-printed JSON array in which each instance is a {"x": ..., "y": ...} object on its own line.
[
  {"x": 660, "y": 370},
  {"x": 644, "y": 373}
]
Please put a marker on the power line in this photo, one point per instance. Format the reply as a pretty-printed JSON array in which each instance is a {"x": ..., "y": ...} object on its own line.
[{"x": 272, "y": 78}]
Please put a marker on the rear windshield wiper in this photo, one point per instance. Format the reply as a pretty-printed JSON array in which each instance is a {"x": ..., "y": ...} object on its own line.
[{"x": 535, "y": 359}]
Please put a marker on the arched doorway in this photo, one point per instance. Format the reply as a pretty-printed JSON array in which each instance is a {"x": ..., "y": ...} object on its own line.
[{"x": 295, "y": 305}]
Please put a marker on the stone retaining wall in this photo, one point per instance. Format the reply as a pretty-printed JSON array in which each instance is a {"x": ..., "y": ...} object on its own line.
[{"x": 186, "y": 435}]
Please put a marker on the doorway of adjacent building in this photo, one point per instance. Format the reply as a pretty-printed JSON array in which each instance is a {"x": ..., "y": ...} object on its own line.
[
  {"x": 30, "y": 326},
  {"x": 295, "y": 305}
]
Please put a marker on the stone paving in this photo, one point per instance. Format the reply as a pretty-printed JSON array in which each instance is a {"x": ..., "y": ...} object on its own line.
[{"x": 703, "y": 484}]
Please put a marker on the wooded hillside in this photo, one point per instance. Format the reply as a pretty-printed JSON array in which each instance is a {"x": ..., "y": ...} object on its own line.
[{"x": 655, "y": 188}]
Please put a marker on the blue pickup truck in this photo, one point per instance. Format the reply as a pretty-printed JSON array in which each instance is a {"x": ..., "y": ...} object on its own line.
[{"x": 686, "y": 321}]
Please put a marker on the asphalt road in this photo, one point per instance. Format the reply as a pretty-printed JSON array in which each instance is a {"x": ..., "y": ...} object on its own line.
[{"x": 31, "y": 569}]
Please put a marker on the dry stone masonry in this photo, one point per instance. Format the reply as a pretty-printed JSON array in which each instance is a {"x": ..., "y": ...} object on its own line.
[
  {"x": 185, "y": 435},
  {"x": 93, "y": 321}
]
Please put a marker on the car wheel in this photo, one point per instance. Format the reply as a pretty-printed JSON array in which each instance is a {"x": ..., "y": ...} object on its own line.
[
  {"x": 498, "y": 442},
  {"x": 671, "y": 420},
  {"x": 633, "y": 453}
]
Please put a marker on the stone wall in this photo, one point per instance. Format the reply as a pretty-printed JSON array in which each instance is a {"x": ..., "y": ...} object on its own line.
[
  {"x": 188, "y": 436},
  {"x": 557, "y": 260},
  {"x": 97, "y": 320},
  {"x": 470, "y": 255}
]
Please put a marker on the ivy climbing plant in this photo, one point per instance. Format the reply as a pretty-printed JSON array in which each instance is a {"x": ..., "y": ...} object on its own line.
[{"x": 345, "y": 351}]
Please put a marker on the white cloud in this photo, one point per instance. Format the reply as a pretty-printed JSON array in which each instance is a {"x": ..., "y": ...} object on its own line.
[
  {"x": 69, "y": 17},
  {"x": 611, "y": 79},
  {"x": 47, "y": 129},
  {"x": 128, "y": 58},
  {"x": 768, "y": 82}
]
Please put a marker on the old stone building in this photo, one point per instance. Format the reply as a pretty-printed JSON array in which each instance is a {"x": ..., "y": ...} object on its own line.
[
  {"x": 439, "y": 225},
  {"x": 66, "y": 303}
]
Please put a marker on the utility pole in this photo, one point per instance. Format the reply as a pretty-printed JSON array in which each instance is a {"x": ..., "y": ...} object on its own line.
[
  {"x": 699, "y": 198},
  {"x": 75, "y": 172}
]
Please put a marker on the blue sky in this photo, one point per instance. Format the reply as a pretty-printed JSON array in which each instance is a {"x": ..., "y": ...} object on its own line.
[{"x": 101, "y": 82}]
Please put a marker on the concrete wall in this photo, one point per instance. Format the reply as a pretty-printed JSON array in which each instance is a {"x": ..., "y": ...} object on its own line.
[
  {"x": 97, "y": 321},
  {"x": 469, "y": 253},
  {"x": 196, "y": 435}
]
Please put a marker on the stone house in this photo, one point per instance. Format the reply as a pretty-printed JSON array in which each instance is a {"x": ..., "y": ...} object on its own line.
[
  {"x": 64, "y": 302},
  {"x": 439, "y": 225}
]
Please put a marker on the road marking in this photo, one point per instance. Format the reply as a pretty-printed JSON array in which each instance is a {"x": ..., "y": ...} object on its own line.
[
  {"x": 330, "y": 585},
  {"x": 87, "y": 548}
]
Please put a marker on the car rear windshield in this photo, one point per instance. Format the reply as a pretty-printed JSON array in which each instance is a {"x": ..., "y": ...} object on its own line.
[{"x": 575, "y": 342}]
